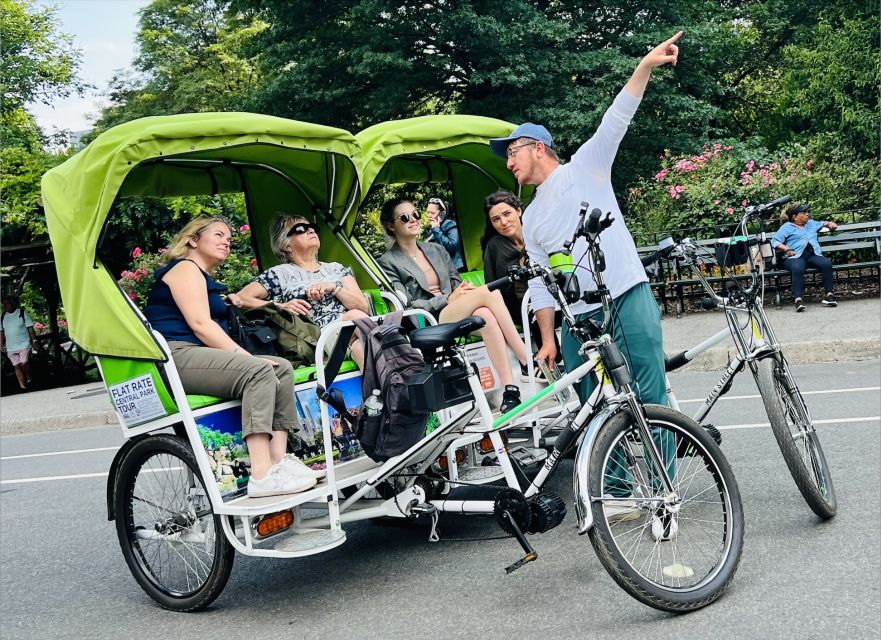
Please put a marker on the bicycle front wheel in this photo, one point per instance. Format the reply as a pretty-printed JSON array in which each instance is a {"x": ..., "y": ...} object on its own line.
[
  {"x": 795, "y": 434},
  {"x": 675, "y": 552},
  {"x": 169, "y": 535}
]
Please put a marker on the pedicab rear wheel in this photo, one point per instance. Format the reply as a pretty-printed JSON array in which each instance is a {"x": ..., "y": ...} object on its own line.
[{"x": 170, "y": 536}]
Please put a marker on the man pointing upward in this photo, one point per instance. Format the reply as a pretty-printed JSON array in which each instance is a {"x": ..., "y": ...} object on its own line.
[{"x": 551, "y": 219}]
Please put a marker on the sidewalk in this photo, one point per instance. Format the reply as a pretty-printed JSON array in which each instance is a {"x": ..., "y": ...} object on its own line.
[{"x": 849, "y": 332}]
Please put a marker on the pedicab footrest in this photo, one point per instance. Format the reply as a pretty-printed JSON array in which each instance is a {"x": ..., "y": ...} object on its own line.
[
  {"x": 306, "y": 542},
  {"x": 481, "y": 475}
]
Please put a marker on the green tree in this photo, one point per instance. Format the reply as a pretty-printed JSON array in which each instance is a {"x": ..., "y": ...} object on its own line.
[
  {"x": 188, "y": 61},
  {"x": 38, "y": 63}
]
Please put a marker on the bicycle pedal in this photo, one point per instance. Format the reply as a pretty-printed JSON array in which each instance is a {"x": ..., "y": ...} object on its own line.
[{"x": 527, "y": 558}]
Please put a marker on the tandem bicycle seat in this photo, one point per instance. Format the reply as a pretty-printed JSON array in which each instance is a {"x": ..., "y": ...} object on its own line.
[{"x": 443, "y": 336}]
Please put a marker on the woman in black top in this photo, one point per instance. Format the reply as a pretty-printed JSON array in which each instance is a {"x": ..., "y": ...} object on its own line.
[{"x": 503, "y": 245}]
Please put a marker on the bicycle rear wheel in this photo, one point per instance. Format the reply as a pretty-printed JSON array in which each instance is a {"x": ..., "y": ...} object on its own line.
[
  {"x": 170, "y": 536},
  {"x": 674, "y": 552},
  {"x": 795, "y": 434}
]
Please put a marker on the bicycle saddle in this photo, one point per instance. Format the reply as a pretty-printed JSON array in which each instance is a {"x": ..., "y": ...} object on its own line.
[{"x": 444, "y": 335}]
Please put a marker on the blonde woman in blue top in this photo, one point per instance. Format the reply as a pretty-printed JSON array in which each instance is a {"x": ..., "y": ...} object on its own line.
[{"x": 186, "y": 307}]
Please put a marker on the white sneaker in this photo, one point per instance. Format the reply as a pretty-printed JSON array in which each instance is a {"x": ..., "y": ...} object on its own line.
[
  {"x": 293, "y": 466},
  {"x": 278, "y": 483},
  {"x": 664, "y": 527},
  {"x": 621, "y": 510}
]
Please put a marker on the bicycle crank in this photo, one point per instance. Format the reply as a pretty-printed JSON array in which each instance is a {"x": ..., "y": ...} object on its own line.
[{"x": 514, "y": 516}]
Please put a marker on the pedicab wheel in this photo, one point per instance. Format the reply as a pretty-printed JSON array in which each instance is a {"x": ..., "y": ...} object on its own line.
[
  {"x": 674, "y": 552},
  {"x": 796, "y": 437},
  {"x": 170, "y": 536}
]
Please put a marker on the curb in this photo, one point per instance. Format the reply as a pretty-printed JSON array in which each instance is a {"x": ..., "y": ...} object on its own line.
[
  {"x": 57, "y": 423},
  {"x": 796, "y": 353},
  {"x": 712, "y": 360}
]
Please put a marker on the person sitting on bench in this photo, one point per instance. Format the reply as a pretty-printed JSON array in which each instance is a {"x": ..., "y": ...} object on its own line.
[{"x": 797, "y": 241}]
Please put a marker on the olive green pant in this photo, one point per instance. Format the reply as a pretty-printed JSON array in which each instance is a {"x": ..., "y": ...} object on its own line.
[
  {"x": 266, "y": 392},
  {"x": 636, "y": 329}
]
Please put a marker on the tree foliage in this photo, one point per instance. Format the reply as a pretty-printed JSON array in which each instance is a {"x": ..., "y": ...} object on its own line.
[{"x": 188, "y": 61}]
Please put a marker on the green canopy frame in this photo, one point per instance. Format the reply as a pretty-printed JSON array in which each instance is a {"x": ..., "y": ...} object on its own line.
[
  {"x": 451, "y": 149},
  {"x": 279, "y": 164}
]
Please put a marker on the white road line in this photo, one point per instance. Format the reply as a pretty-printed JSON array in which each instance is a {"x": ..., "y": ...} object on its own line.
[
  {"x": 80, "y": 475},
  {"x": 58, "y": 453},
  {"x": 829, "y": 421},
  {"x": 804, "y": 393}
]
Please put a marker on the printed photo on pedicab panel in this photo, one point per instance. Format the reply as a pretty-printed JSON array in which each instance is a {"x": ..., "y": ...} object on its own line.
[
  {"x": 346, "y": 445},
  {"x": 221, "y": 435}
]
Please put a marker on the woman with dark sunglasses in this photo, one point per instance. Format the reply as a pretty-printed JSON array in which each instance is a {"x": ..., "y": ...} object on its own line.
[
  {"x": 425, "y": 276},
  {"x": 324, "y": 292}
]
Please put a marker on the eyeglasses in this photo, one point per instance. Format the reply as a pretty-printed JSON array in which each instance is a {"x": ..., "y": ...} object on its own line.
[
  {"x": 512, "y": 151},
  {"x": 302, "y": 227},
  {"x": 405, "y": 217}
]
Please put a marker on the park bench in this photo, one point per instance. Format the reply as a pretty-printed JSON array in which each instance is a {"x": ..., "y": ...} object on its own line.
[{"x": 672, "y": 283}]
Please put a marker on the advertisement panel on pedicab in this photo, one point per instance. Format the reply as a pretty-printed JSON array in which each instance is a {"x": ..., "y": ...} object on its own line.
[{"x": 221, "y": 436}]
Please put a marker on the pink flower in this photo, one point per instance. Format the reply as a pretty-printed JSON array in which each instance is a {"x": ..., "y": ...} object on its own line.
[
  {"x": 673, "y": 193},
  {"x": 809, "y": 165},
  {"x": 729, "y": 148},
  {"x": 163, "y": 250},
  {"x": 717, "y": 202},
  {"x": 743, "y": 203},
  {"x": 245, "y": 228},
  {"x": 750, "y": 165},
  {"x": 660, "y": 175},
  {"x": 136, "y": 252},
  {"x": 39, "y": 326},
  {"x": 679, "y": 188},
  {"x": 729, "y": 211},
  {"x": 133, "y": 296},
  {"x": 253, "y": 262}
]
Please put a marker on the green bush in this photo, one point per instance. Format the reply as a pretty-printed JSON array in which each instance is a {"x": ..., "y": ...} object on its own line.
[{"x": 714, "y": 186}]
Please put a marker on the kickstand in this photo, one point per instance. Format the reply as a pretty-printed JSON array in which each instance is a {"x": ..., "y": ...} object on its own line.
[{"x": 531, "y": 554}]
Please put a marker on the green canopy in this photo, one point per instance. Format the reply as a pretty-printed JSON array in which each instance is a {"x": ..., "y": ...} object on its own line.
[
  {"x": 451, "y": 149},
  {"x": 279, "y": 164}
]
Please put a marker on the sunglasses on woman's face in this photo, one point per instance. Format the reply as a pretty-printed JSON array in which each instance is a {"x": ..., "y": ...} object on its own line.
[
  {"x": 405, "y": 217},
  {"x": 302, "y": 227}
]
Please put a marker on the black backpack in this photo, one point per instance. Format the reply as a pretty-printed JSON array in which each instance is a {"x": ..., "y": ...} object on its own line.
[{"x": 390, "y": 361}]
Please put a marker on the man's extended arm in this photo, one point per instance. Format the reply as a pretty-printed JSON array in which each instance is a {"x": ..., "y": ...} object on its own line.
[{"x": 665, "y": 52}]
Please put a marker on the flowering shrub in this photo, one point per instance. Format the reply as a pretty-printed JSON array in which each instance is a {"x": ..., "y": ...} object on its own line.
[
  {"x": 714, "y": 186},
  {"x": 237, "y": 270}
]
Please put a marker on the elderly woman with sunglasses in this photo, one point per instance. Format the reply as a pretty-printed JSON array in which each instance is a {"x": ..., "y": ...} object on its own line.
[
  {"x": 425, "y": 275},
  {"x": 322, "y": 291}
]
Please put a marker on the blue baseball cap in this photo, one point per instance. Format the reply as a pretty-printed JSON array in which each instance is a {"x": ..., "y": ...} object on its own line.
[{"x": 525, "y": 130}]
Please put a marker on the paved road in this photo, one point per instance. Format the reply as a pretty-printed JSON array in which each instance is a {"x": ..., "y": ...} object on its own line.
[{"x": 63, "y": 576}]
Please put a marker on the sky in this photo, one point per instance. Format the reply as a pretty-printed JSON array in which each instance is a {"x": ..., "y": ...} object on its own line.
[{"x": 104, "y": 31}]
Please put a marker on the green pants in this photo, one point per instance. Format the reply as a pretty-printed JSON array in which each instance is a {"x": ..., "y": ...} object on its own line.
[{"x": 636, "y": 328}]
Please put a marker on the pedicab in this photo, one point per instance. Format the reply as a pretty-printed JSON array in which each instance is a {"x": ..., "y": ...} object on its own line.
[
  {"x": 176, "y": 487},
  {"x": 453, "y": 152}
]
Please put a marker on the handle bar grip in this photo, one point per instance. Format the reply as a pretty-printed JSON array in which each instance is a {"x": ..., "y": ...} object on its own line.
[
  {"x": 593, "y": 222},
  {"x": 498, "y": 284}
]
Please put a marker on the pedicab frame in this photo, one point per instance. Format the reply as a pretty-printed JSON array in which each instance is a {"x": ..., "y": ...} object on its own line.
[{"x": 279, "y": 165}]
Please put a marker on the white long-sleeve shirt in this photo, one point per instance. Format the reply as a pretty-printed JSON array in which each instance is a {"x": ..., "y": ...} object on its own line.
[{"x": 552, "y": 216}]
